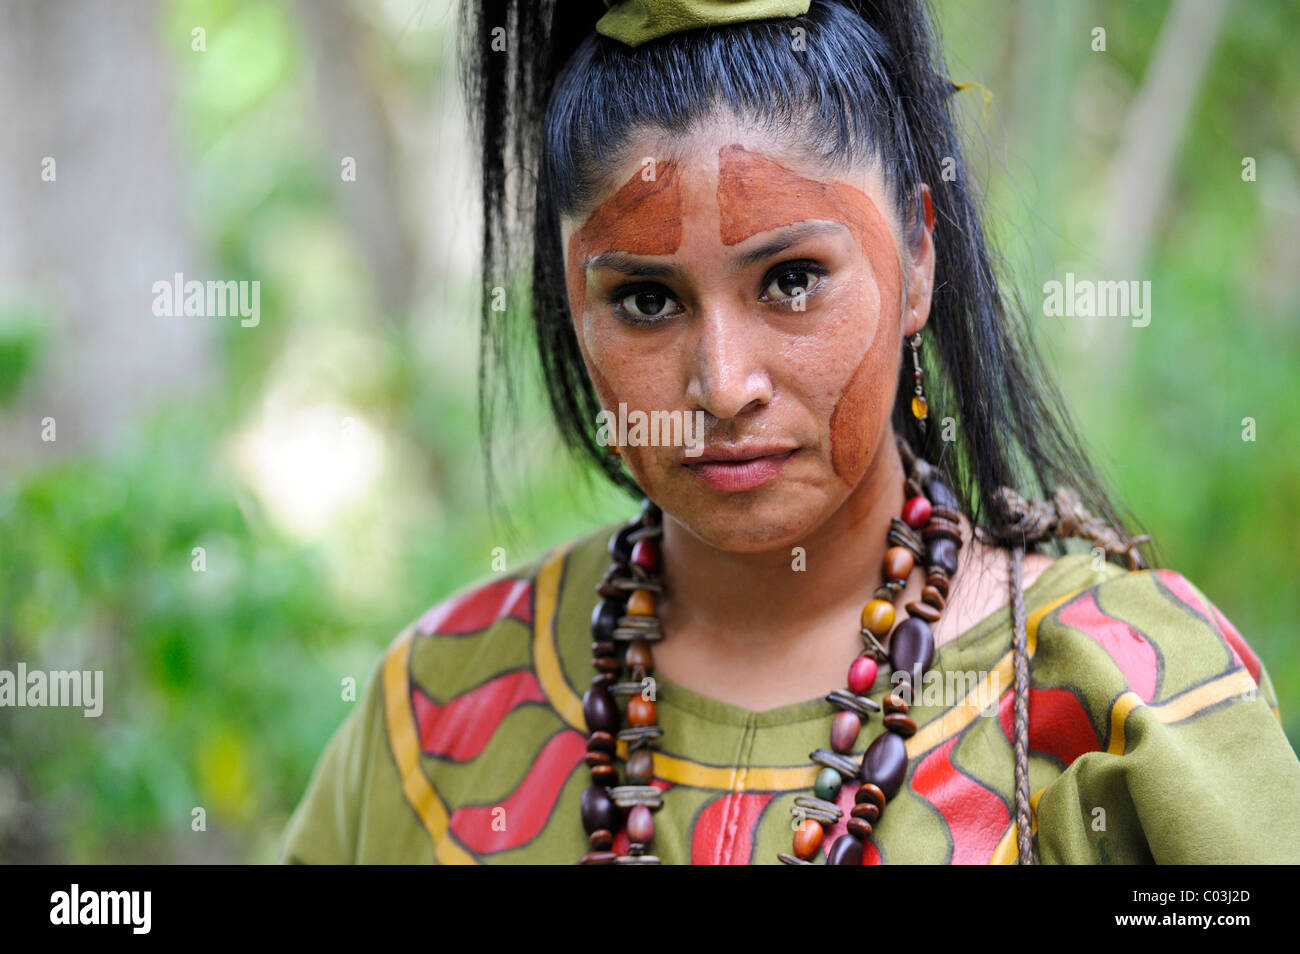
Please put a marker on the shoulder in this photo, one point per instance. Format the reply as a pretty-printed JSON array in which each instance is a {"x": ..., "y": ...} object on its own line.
[{"x": 1152, "y": 633}]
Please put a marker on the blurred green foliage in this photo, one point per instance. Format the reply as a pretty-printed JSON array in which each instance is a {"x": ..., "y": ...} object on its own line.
[{"x": 223, "y": 685}]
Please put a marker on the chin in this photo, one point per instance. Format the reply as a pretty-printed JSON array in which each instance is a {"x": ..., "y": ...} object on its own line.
[{"x": 773, "y": 517}]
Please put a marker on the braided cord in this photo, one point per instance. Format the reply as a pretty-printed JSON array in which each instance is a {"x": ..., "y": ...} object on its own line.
[{"x": 1024, "y": 834}]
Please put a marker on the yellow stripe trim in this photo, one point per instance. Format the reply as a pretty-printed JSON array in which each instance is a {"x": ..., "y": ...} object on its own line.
[
  {"x": 781, "y": 779},
  {"x": 1177, "y": 708},
  {"x": 546, "y": 658},
  {"x": 402, "y": 738}
]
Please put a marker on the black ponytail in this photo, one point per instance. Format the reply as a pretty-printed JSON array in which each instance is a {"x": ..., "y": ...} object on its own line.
[{"x": 552, "y": 105}]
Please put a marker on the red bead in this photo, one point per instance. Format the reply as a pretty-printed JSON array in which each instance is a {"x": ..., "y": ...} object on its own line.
[
  {"x": 915, "y": 512},
  {"x": 862, "y": 675},
  {"x": 645, "y": 553}
]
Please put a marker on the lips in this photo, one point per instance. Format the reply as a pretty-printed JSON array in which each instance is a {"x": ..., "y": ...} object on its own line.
[{"x": 735, "y": 469}]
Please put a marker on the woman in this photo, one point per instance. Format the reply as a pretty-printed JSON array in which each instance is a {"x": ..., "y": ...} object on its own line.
[{"x": 821, "y": 639}]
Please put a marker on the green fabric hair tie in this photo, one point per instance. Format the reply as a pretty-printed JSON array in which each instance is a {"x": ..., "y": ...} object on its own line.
[{"x": 638, "y": 21}]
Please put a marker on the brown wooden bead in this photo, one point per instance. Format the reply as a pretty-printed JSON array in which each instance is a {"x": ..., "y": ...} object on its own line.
[
  {"x": 605, "y": 679},
  {"x": 844, "y": 731},
  {"x": 604, "y": 774},
  {"x": 867, "y": 811},
  {"x": 894, "y": 703},
  {"x": 598, "y": 758},
  {"x": 601, "y": 839},
  {"x": 933, "y": 597},
  {"x": 885, "y": 763},
  {"x": 845, "y": 851},
  {"x": 923, "y": 611},
  {"x": 601, "y": 742},
  {"x": 640, "y": 711},
  {"x": 598, "y": 858},
  {"x": 608, "y": 664},
  {"x": 859, "y": 828},
  {"x": 807, "y": 838},
  {"x": 939, "y": 582},
  {"x": 640, "y": 825},
  {"x": 936, "y": 522},
  {"x": 598, "y": 708},
  {"x": 904, "y": 725},
  {"x": 605, "y": 647},
  {"x": 942, "y": 532},
  {"x": 945, "y": 513},
  {"x": 640, "y": 656},
  {"x": 867, "y": 792},
  {"x": 640, "y": 767},
  {"x": 898, "y": 563}
]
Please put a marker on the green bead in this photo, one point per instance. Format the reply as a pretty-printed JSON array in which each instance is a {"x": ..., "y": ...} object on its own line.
[{"x": 828, "y": 785}]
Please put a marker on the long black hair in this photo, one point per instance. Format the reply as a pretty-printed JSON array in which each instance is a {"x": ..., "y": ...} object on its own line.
[{"x": 552, "y": 104}]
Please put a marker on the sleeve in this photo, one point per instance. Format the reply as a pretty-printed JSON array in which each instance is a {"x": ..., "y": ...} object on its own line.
[
  {"x": 354, "y": 809},
  {"x": 1192, "y": 765}
]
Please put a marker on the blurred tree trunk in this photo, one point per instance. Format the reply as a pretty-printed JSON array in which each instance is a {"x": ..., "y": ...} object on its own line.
[
  {"x": 89, "y": 86},
  {"x": 1143, "y": 164},
  {"x": 353, "y": 116}
]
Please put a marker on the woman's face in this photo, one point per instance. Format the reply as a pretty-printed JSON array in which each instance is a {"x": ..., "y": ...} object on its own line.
[{"x": 720, "y": 274}]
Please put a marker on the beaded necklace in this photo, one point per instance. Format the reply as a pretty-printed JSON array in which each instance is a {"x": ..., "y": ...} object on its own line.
[{"x": 625, "y": 616}]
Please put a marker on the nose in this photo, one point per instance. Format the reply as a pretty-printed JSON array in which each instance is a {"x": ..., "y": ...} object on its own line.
[{"x": 729, "y": 374}]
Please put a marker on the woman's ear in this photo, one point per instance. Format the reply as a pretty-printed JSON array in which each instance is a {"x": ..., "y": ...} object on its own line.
[{"x": 920, "y": 273}]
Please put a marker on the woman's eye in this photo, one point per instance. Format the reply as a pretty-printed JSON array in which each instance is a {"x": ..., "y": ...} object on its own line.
[
  {"x": 647, "y": 304},
  {"x": 790, "y": 283}
]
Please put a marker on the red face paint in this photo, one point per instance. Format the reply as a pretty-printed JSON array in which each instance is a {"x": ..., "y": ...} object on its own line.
[
  {"x": 756, "y": 194},
  {"x": 644, "y": 217}
]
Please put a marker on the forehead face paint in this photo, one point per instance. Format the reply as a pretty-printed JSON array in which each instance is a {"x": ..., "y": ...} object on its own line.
[
  {"x": 757, "y": 194},
  {"x": 644, "y": 217}
]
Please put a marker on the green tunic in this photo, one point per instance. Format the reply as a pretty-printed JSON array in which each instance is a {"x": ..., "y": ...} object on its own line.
[{"x": 1154, "y": 736}]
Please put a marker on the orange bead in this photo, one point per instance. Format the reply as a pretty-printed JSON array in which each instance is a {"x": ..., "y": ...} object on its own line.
[
  {"x": 641, "y": 603},
  {"x": 640, "y": 711},
  {"x": 919, "y": 407},
  {"x": 807, "y": 839},
  {"x": 898, "y": 563},
  {"x": 878, "y": 617}
]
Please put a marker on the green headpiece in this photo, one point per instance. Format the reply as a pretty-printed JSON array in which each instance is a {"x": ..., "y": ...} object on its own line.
[{"x": 638, "y": 21}]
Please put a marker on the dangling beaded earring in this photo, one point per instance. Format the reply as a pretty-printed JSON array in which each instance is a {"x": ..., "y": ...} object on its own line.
[{"x": 920, "y": 407}]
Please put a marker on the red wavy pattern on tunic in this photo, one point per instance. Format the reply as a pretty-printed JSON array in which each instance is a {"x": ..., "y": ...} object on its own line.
[
  {"x": 1242, "y": 654},
  {"x": 1135, "y": 656},
  {"x": 479, "y": 609},
  {"x": 1058, "y": 723},
  {"x": 460, "y": 728},
  {"x": 976, "y": 816},
  {"x": 529, "y": 806},
  {"x": 724, "y": 830},
  {"x": 621, "y": 841}
]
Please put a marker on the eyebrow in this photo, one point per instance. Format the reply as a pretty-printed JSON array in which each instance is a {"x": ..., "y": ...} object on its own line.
[
  {"x": 789, "y": 237},
  {"x": 631, "y": 265}
]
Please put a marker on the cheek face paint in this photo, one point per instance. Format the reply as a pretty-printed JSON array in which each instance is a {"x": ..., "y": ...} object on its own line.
[
  {"x": 641, "y": 218},
  {"x": 756, "y": 194}
]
